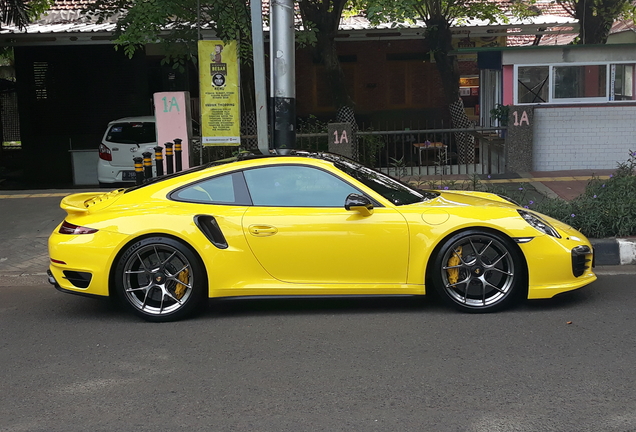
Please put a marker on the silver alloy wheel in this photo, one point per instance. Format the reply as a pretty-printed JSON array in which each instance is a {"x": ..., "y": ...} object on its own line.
[
  {"x": 157, "y": 279},
  {"x": 477, "y": 271}
]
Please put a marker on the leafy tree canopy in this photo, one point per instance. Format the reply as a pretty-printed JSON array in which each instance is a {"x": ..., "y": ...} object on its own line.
[
  {"x": 597, "y": 16},
  {"x": 174, "y": 24},
  {"x": 22, "y": 12}
]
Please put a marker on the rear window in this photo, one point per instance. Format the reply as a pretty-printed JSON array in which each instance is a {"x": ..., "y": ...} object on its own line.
[{"x": 132, "y": 133}]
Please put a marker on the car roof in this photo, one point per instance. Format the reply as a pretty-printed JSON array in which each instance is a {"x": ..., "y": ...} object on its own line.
[
  {"x": 325, "y": 156},
  {"x": 142, "y": 119}
]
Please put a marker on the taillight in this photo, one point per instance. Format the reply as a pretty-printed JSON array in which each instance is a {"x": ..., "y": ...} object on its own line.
[
  {"x": 104, "y": 153},
  {"x": 69, "y": 228}
]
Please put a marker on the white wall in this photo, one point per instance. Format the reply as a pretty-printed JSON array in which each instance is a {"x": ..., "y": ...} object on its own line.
[{"x": 567, "y": 138}]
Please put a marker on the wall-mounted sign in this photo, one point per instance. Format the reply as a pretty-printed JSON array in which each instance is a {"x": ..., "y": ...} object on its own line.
[
  {"x": 341, "y": 138},
  {"x": 220, "y": 93},
  {"x": 462, "y": 40},
  {"x": 172, "y": 113}
]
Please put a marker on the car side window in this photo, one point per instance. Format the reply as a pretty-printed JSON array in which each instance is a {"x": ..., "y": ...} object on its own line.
[
  {"x": 296, "y": 186},
  {"x": 225, "y": 189}
]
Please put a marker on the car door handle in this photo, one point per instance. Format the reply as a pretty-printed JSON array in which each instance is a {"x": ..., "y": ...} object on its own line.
[{"x": 262, "y": 230}]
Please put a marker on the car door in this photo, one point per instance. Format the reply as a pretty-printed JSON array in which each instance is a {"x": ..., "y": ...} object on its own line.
[{"x": 300, "y": 232}]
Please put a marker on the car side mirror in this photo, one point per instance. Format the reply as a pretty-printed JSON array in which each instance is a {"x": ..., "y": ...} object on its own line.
[{"x": 359, "y": 203}]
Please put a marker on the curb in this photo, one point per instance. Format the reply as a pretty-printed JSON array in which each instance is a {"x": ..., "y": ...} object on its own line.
[{"x": 614, "y": 251}]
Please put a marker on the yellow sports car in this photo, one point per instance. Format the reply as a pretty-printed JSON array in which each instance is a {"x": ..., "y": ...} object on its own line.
[{"x": 307, "y": 224}]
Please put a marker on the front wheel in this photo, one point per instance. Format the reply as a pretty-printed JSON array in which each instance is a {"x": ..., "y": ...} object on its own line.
[
  {"x": 479, "y": 271},
  {"x": 160, "y": 279}
]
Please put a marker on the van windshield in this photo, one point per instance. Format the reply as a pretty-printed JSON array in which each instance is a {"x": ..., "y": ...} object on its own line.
[{"x": 132, "y": 133}]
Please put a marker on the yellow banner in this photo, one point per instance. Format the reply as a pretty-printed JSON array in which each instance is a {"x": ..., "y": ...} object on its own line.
[{"x": 220, "y": 90}]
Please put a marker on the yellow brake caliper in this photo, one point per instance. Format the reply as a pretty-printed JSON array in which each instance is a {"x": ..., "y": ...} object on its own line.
[
  {"x": 180, "y": 289},
  {"x": 455, "y": 259}
]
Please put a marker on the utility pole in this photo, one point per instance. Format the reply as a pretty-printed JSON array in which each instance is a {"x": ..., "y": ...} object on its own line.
[
  {"x": 283, "y": 76},
  {"x": 259, "y": 75}
]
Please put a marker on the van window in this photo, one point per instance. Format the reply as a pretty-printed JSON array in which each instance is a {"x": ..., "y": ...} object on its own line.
[{"x": 132, "y": 133}]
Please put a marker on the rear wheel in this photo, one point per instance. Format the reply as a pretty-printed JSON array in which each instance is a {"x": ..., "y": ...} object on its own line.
[
  {"x": 160, "y": 279},
  {"x": 479, "y": 271}
]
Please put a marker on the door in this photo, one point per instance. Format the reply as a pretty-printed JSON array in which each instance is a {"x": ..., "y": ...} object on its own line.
[{"x": 300, "y": 232}]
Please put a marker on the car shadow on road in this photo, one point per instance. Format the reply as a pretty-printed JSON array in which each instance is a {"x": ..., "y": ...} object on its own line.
[
  {"x": 320, "y": 305},
  {"x": 567, "y": 300},
  {"x": 87, "y": 308}
]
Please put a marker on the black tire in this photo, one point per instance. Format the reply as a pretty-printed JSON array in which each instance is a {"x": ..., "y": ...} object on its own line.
[
  {"x": 479, "y": 271},
  {"x": 160, "y": 279}
]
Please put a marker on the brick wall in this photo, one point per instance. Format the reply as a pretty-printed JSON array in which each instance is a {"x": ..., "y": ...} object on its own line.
[{"x": 587, "y": 137}]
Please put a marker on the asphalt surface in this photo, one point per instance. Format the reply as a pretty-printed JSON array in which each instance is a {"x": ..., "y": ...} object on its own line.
[
  {"x": 28, "y": 219},
  {"x": 399, "y": 364}
]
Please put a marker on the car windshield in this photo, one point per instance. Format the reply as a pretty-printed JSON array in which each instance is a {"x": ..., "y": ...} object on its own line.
[
  {"x": 132, "y": 133},
  {"x": 393, "y": 190}
]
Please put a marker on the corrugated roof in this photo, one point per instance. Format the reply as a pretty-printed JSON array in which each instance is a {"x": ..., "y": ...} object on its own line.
[{"x": 70, "y": 4}]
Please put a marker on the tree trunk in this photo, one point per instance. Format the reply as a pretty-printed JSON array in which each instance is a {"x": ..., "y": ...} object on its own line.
[
  {"x": 328, "y": 55},
  {"x": 593, "y": 28},
  {"x": 324, "y": 16},
  {"x": 439, "y": 37}
]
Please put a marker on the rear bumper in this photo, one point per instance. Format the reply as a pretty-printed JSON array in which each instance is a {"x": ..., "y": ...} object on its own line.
[{"x": 57, "y": 286}]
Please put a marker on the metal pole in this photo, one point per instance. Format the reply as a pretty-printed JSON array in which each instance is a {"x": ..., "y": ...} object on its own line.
[
  {"x": 259, "y": 75},
  {"x": 283, "y": 70}
]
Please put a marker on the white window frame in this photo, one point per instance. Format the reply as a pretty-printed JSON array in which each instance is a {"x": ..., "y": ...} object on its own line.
[{"x": 554, "y": 101}]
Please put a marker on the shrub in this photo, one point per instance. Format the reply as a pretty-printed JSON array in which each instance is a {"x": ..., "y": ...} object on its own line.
[{"x": 607, "y": 208}]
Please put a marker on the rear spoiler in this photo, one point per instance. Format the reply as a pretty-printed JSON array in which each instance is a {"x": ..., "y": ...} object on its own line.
[{"x": 80, "y": 203}]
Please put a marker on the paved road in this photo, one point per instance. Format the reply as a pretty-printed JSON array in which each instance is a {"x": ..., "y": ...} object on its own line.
[
  {"x": 27, "y": 220},
  {"x": 77, "y": 364}
]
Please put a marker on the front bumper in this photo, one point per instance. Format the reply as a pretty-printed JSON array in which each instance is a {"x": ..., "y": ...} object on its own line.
[{"x": 557, "y": 265}]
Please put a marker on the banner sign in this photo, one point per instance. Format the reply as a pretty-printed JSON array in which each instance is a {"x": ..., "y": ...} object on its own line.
[{"x": 220, "y": 91}]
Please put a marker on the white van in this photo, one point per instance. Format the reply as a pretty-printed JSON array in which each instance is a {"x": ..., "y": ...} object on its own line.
[{"x": 125, "y": 139}]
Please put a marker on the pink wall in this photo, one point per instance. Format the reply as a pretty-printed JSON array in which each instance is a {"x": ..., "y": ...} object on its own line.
[
  {"x": 172, "y": 113},
  {"x": 508, "y": 85}
]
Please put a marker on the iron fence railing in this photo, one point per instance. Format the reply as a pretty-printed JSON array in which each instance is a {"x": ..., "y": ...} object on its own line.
[{"x": 407, "y": 152}]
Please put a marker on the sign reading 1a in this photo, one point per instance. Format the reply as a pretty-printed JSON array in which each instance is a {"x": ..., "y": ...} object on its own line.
[
  {"x": 340, "y": 138},
  {"x": 169, "y": 106}
]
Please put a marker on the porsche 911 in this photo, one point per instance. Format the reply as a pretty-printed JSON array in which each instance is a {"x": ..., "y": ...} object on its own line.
[{"x": 307, "y": 224}]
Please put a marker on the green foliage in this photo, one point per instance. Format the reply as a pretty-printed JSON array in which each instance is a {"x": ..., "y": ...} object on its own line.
[
  {"x": 20, "y": 13},
  {"x": 174, "y": 25},
  {"x": 369, "y": 147},
  {"x": 399, "y": 166},
  {"x": 607, "y": 208},
  {"x": 405, "y": 11},
  {"x": 597, "y": 16},
  {"x": 311, "y": 124},
  {"x": 500, "y": 112}
]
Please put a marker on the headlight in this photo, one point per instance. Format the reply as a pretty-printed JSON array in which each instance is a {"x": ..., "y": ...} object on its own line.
[{"x": 539, "y": 223}]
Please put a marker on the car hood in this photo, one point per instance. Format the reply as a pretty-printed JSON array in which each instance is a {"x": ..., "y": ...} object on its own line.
[{"x": 471, "y": 198}]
